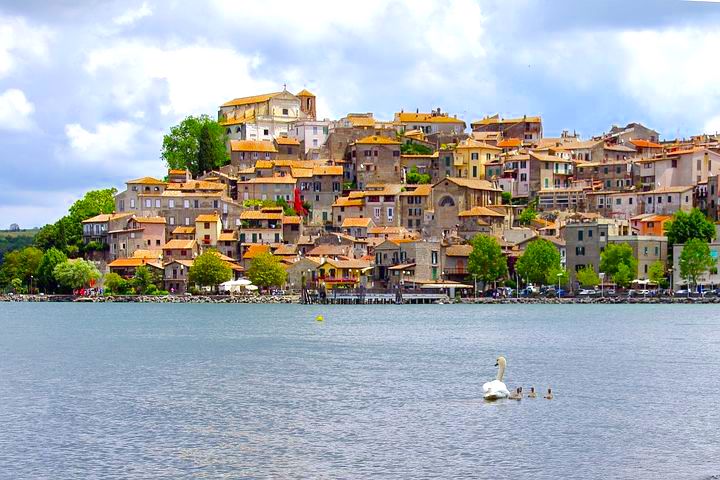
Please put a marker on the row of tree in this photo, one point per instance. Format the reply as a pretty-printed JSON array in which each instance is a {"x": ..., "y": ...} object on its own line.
[{"x": 540, "y": 263}]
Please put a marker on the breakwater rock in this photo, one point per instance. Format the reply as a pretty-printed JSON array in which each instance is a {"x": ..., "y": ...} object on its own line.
[{"x": 155, "y": 298}]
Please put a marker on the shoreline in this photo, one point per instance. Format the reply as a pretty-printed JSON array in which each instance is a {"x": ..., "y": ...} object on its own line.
[{"x": 295, "y": 299}]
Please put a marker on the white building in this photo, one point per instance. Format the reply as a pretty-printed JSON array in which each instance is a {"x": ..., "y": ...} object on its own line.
[
  {"x": 266, "y": 116},
  {"x": 311, "y": 134}
]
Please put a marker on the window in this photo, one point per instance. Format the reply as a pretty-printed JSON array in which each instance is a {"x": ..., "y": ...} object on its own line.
[
  {"x": 157, "y": 203},
  {"x": 171, "y": 220},
  {"x": 396, "y": 153},
  {"x": 605, "y": 170},
  {"x": 630, "y": 201},
  {"x": 579, "y": 251},
  {"x": 315, "y": 142},
  {"x": 434, "y": 257},
  {"x": 266, "y": 132},
  {"x": 473, "y": 156},
  {"x": 315, "y": 130},
  {"x": 673, "y": 164},
  {"x": 196, "y": 203},
  {"x": 186, "y": 203},
  {"x": 618, "y": 201},
  {"x": 390, "y": 213},
  {"x": 132, "y": 203},
  {"x": 474, "y": 171},
  {"x": 580, "y": 235},
  {"x": 523, "y": 177},
  {"x": 699, "y": 164},
  {"x": 285, "y": 112},
  {"x": 207, "y": 225},
  {"x": 590, "y": 233},
  {"x": 171, "y": 203},
  {"x": 187, "y": 221},
  {"x": 376, "y": 212}
]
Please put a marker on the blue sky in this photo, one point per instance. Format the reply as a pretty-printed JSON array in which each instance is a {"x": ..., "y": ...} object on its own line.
[{"x": 87, "y": 90}]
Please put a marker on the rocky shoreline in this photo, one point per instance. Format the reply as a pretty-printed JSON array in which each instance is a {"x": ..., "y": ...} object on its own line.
[{"x": 290, "y": 299}]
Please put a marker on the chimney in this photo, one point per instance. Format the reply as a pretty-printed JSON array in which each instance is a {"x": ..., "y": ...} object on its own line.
[{"x": 417, "y": 110}]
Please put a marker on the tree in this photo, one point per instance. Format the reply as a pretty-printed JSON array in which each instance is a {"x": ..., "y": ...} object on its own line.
[
  {"x": 623, "y": 275},
  {"x": 181, "y": 147},
  {"x": 486, "y": 261},
  {"x": 695, "y": 259},
  {"x": 506, "y": 198},
  {"x": 539, "y": 258},
  {"x": 114, "y": 283},
  {"x": 20, "y": 264},
  {"x": 415, "y": 149},
  {"x": 527, "y": 215},
  {"x": 613, "y": 257},
  {"x": 209, "y": 270},
  {"x": 265, "y": 271},
  {"x": 587, "y": 277},
  {"x": 143, "y": 280},
  {"x": 656, "y": 272},
  {"x": 413, "y": 177},
  {"x": 74, "y": 274},
  {"x": 557, "y": 275},
  {"x": 685, "y": 226},
  {"x": 45, "y": 272},
  {"x": 205, "y": 161}
]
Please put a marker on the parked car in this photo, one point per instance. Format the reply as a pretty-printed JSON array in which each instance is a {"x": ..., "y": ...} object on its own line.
[
  {"x": 587, "y": 292},
  {"x": 610, "y": 292},
  {"x": 682, "y": 292}
]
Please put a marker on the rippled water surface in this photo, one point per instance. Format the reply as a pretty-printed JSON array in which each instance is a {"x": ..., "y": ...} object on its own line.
[{"x": 265, "y": 391}]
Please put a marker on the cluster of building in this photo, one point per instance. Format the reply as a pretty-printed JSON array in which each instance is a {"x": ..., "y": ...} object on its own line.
[{"x": 365, "y": 225}]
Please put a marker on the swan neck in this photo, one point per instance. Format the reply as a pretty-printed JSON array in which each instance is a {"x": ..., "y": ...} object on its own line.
[{"x": 501, "y": 372}]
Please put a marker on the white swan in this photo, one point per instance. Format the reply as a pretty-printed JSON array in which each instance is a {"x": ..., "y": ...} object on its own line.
[{"x": 496, "y": 389}]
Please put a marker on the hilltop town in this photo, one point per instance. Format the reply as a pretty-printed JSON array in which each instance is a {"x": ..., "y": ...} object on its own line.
[{"x": 375, "y": 203}]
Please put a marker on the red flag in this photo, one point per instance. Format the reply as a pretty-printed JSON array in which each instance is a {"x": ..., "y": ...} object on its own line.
[{"x": 298, "y": 204}]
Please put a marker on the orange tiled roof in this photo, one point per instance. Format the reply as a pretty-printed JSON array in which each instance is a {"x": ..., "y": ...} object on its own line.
[
  {"x": 147, "y": 181},
  {"x": 287, "y": 141},
  {"x": 250, "y": 100},
  {"x": 208, "y": 217},
  {"x": 509, "y": 142},
  {"x": 132, "y": 262},
  {"x": 256, "y": 250},
  {"x": 645, "y": 143},
  {"x": 177, "y": 244},
  {"x": 252, "y": 146},
  {"x": 356, "y": 222},
  {"x": 291, "y": 220},
  {"x": 406, "y": 117},
  {"x": 260, "y": 215},
  {"x": 304, "y": 93},
  {"x": 150, "y": 220},
  {"x": 183, "y": 230},
  {"x": 376, "y": 140}
]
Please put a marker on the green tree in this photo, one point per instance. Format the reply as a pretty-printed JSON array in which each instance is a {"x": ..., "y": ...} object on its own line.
[
  {"x": 587, "y": 277},
  {"x": 695, "y": 259},
  {"x": 114, "y": 283},
  {"x": 181, "y": 147},
  {"x": 527, "y": 215},
  {"x": 656, "y": 272},
  {"x": 623, "y": 275},
  {"x": 413, "y": 177},
  {"x": 486, "y": 261},
  {"x": 17, "y": 285},
  {"x": 20, "y": 264},
  {"x": 74, "y": 274},
  {"x": 613, "y": 257},
  {"x": 205, "y": 161},
  {"x": 685, "y": 226},
  {"x": 557, "y": 274},
  {"x": 506, "y": 198},
  {"x": 209, "y": 270},
  {"x": 143, "y": 280},
  {"x": 410, "y": 148},
  {"x": 266, "y": 271},
  {"x": 539, "y": 258},
  {"x": 45, "y": 272}
]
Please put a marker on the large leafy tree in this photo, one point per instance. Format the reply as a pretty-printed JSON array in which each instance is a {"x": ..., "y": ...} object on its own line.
[
  {"x": 114, "y": 283},
  {"x": 618, "y": 261},
  {"x": 45, "y": 273},
  {"x": 685, "y": 226},
  {"x": 66, "y": 233},
  {"x": 486, "y": 261},
  {"x": 527, "y": 215},
  {"x": 695, "y": 259},
  {"x": 587, "y": 276},
  {"x": 20, "y": 264},
  {"x": 144, "y": 281},
  {"x": 182, "y": 146},
  {"x": 656, "y": 272},
  {"x": 74, "y": 274},
  {"x": 414, "y": 177},
  {"x": 266, "y": 271},
  {"x": 539, "y": 258},
  {"x": 209, "y": 270}
]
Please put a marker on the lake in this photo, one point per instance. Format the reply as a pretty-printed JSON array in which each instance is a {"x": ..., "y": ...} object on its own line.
[{"x": 266, "y": 391}]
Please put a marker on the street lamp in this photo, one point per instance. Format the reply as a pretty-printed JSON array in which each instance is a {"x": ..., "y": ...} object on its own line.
[
  {"x": 475, "y": 284},
  {"x": 602, "y": 284},
  {"x": 670, "y": 270},
  {"x": 558, "y": 292}
]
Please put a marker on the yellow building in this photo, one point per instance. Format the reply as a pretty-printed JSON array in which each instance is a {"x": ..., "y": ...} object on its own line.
[
  {"x": 342, "y": 273},
  {"x": 208, "y": 228},
  {"x": 471, "y": 157}
]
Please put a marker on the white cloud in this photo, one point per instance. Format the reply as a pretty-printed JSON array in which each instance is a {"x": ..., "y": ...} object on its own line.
[
  {"x": 133, "y": 15},
  {"x": 107, "y": 142},
  {"x": 20, "y": 41},
  {"x": 15, "y": 110},
  {"x": 195, "y": 78}
]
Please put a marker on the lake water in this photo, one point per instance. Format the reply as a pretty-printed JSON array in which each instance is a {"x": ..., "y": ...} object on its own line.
[{"x": 265, "y": 391}]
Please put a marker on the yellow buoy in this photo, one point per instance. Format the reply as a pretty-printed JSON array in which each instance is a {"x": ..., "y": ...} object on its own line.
[{"x": 319, "y": 318}]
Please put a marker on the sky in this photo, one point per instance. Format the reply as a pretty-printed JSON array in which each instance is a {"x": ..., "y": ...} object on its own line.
[{"x": 87, "y": 89}]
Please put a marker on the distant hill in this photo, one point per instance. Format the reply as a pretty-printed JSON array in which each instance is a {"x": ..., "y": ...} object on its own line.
[{"x": 15, "y": 239}]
